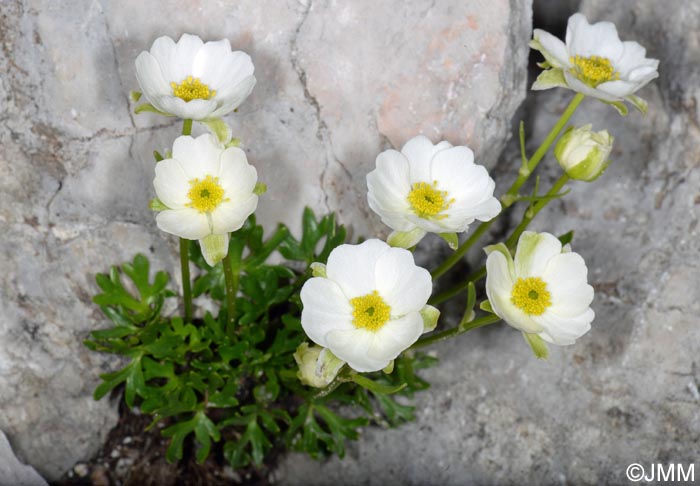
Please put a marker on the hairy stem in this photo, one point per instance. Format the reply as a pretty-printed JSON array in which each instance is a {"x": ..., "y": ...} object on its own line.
[
  {"x": 185, "y": 253},
  {"x": 231, "y": 279},
  {"x": 456, "y": 331}
]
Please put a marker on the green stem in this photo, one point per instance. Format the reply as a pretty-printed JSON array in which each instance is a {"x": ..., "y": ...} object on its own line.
[
  {"x": 510, "y": 243},
  {"x": 185, "y": 267},
  {"x": 231, "y": 278},
  {"x": 187, "y": 127},
  {"x": 456, "y": 331},
  {"x": 185, "y": 253},
  {"x": 509, "y": 197},
  {"x": 532, "y": 211}
]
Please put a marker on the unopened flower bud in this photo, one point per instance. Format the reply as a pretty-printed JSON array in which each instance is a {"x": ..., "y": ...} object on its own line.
[
  {"x": 318, "y": 366},
  {"x": 583, "y": 153}
]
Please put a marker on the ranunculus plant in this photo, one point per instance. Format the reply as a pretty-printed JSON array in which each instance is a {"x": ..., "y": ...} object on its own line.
[{"x": 283, "y": 344}]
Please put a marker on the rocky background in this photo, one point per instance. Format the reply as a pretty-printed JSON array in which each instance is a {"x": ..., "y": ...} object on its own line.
[{"x": 337, "y": 83}]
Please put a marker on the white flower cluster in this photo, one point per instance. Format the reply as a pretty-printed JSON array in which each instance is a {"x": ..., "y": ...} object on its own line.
[{"x": 369, "y": 303}]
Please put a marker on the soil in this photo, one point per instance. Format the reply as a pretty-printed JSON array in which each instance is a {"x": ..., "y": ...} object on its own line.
[{"x": 133, "y": 456}]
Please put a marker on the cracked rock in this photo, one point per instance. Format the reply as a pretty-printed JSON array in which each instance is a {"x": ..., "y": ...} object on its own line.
[{"x": 337, "y": 83}]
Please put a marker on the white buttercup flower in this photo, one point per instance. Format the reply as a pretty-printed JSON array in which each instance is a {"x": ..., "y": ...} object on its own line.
[
  {"x": 207, "y": 190},
  {"x": 192, "y": 79},
  {"x": 367, "y": 309},
  {"x": 583, "y": 153},
  {"x": 595, "y": 62},
  {"x": 429, "y": 188},
  {"x": 544, "y": 291}
]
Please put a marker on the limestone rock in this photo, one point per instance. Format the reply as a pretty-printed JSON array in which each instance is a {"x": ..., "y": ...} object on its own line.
[
  {"x": 628, "y": 391},
  {"x": 12, "y": 471},
  {"x": 337, "y": 83}
]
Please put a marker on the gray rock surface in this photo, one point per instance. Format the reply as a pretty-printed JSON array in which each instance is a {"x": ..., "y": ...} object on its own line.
[
  {"x": 12, "y": 471},
  {"x": 628, "y": 391},
  {"x": 338, "y": 82}
]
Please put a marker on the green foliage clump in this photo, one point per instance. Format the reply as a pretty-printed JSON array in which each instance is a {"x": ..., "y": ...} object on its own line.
[{"x": 236, "y": 386}]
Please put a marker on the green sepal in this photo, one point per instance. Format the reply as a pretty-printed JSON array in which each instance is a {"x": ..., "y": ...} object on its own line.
[
  {"x": 486, "y": 307},
  {"x": 405, "y": 239},
  {"x": 234, "y": 142},
  {"x": 318, "y": 269},
  {"x": 156, "y": 204},
  {"x": 430, "y": 317},
  {"x": 135, "y": 96},
  {"x": 147, "y": 107},
  {"x": 388, "y": 369},
  {"x": 469, "y": 313},
  {"x": 566, "y": 238},
  {"x": 214, "y": 248},
  {"x": 638, "y": 103},
  {"x": 157, "y": 156},
  {"x": 260, "y": 188},
  {"x": 551, "y": 78},
  {"x": 220, "y": 128},
  {"x": 451, "y": 239},
  {"x": 375, "y": 387},
  {"x": 537, "y": 344},
  {"x": 620, "y": 106}
]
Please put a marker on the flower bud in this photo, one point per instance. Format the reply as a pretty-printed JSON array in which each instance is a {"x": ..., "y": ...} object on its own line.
[
  {"x": 583, "y": 153},
  {"x": 318, "y": 366}
]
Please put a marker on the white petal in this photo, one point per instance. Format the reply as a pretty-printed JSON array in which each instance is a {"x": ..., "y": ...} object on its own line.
[
  {"x": 499, "y": 287},
  {"x": 599, "y": 39},
  {"x": 150, "y": 77},
  {"x": 230, "y": 216},
  {"x": 555, "y": 48},
  {"x": 233, "y": 98},
  {"x": 185, "y": 52},
  {"x": 171, "y": 184},
  {"x": 199, "y": 156},
  {"x": 633, "y": 56},
  {"x": 352, "y": 267},
  {"x": 563, "y": 331},
  {"x": 193, "y": 110},
  {"x": 645, "y": 73},
  {"x": 396, "y": 336},
  {"x": 210, "y": 62},
  {"x": 419, "y": 151},
  {"x": 580, "y": 87},
  {"x": 163, "y": 50},
  {"x": 353, "y": 347},
  {"x": 534, "y": 252},
  {"x": 236, "y": 176},
  {"x": 186, "y": 223},
  {"x": 325, "y": 309},
  {"x": 403, "y": 285},
  {"x": 618, "y": 88},
  {"x": 566, "y": 278},
  {"x": 388, "y": 187}
]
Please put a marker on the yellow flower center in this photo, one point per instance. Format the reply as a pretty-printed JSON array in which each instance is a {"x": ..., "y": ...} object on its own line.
[
  {"x": 370, "y": 312},
  {"x": 206, "y": 194},
  {"x": 531, "y": 295},
  {"x": 192, "y": 89},
  {"x": 427, "y": 201},
  {"x": 593, "y": 70}
]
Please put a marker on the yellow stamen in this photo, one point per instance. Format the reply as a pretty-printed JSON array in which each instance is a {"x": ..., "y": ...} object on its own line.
[
  {"x": 205, "y": 195},
  {"x": 192, "y": 89},
  {"x": 427, "y": 201},
  {"x": 531, "y": 295},
  {"x": 593, "y": 70},
  {"x": 370, "y": 312}
]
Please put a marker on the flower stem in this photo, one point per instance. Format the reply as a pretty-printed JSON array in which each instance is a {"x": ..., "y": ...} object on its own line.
[
  {"x": 185, "y": 267},
  {"x": 185, "y": 253},
  {"x": 187, "y": 127},
  {"x": 456, "y": 331},
  {"x": 231, "y": 279},
  {"x": 510, "y": 196}
]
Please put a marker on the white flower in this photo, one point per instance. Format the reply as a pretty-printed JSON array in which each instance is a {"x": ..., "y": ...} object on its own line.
[
  {"x": 583, "y": 153},
  {"x": 594, "y": 62},
  {"x": 208, "y": 192},
  {"x": 318, "y": 367},
  {"x": 367, "y": 308},
  {"x": 192, "y": 79},
  {"x": 429, "y": 188},
  {"x": 543, "y": 291}
]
